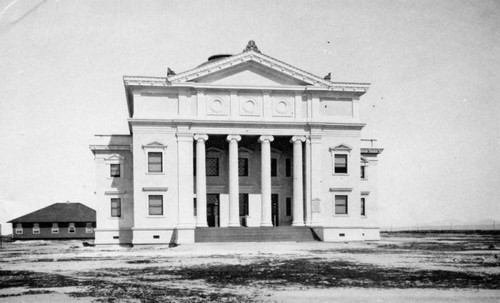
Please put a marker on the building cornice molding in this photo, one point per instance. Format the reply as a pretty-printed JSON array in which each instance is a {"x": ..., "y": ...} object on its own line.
[
  {"x": 154, "y": 189},
  {"x": 229, "y": 123},
  {"x": 94, "y": 148},
  {"x": 340, "y": 189},
  {"x": 371, "y": 150}
]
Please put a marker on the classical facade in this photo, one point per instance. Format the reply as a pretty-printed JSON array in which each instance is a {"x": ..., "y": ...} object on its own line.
[{"x": 241, "y": 140}]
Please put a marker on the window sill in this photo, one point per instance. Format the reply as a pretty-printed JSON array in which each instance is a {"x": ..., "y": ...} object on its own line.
[
  {"x": 155, "y": 216},
  {"x": 364, "y": 179},
  {"x": 364, "y": 217},
  {"x": 155, "y": 173},
  {"x": 341, "y": 215},
  {"x": 341, "y": 174}
]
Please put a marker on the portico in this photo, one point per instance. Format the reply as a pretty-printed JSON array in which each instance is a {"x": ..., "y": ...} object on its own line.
[{"x": 274, "y": 178}]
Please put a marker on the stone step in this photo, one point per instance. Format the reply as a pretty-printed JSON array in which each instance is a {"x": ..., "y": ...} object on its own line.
[{"x": 254, "y": 234}]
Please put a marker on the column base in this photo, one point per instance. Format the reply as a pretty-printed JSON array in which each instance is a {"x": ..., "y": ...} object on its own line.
[
  {"x": 202, "y": 224},
  {"x": 266, "y": 224},
  {"x": 298, "y": 224},
  {"x": 234, "y": 224}
]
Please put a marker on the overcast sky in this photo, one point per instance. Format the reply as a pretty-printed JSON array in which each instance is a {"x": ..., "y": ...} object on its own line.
[{"x": 433, "y": 103}]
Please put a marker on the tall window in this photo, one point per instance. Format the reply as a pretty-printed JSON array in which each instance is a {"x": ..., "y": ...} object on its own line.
[
  {"x": 363, "y": 172},
  {"x": 341, "y": 164},
  {"x": 194, "y": 166},
  {"x": 156, "y": 205},
  {"x": 340, "y": 204},
  {"x": 288, "y": 167},
  {"x": 243, "y": 204},
  {"x": 363, "y": 210},
  {"x": 71, "y": 228},
  {"x": 243, "y": 167},
  {"x": 36, "y": 228},
  {"x": 155, "y": 162},
  {"x": 274, "y": 167},
  {"x": 212, "y": 166},
  {"x": 114, "y": 170},
  {"x": 195, "y": 208},
  {"x": 116, "y": 207},
  {"x": 55, "y": 228},
  {"x": 19, "y": 229},
  {"x": 288, "y": 206}
]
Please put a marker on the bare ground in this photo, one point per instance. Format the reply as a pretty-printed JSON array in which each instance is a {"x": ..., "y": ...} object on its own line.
[{"x": 402, "y": 267}]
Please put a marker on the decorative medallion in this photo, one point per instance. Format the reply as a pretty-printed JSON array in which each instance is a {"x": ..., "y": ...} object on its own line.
[
  {"x": 216, "y": 106},
  {"x": 282, "y": 107},
  {"x": 249, "y": 106}
]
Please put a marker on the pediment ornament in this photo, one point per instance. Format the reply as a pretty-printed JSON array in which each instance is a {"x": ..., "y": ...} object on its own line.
[{"x": 341, "y": 147}]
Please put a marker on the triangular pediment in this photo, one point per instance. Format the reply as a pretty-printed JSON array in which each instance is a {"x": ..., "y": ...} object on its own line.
[
  {"x": 154, "y": 144},
  {"x": 341, "y": 147},
  {"x": 249, "y": 74},
  {"x": 249, "y": 68},
  {"x": 114, "y": 157}
]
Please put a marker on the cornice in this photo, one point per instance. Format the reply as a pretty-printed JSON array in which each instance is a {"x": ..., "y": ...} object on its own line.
[
  {"x": 371, "y": 150},
  {"x": 222, "y": 123},
  {"x": 109, "y": 147}
]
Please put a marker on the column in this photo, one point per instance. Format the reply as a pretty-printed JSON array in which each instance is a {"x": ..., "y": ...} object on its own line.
[
  {"x": 234, "y": 186},
  {"x": 265, "y": 158},
  {"x": 298, "y": 195},
  {"x": 308, "y": 183},
  {"x": 201, "y": 181}
]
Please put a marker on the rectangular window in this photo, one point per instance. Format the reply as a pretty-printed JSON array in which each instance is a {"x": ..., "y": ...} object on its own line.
[
  {"x": 243, "y": 167},
  {"x": 341, "y": 164},
  {"x": 274, "y": 167},
  {"x": 55, "y": 228},
  {"x": 363, "y": 172},
  {"x": 156, "y": 205},
  {"x": 194, "y": 207},
  {"x": 114, "y": 170},
  {"x": 212, "y": 166},
  {"x": 71, "y": 228},
  {"x": 36, "y": 228},
  {"x": 88, "y": 228},
  {"x": 19, "y": 229},
  {"x": 341, "y": 205},
  {"x": 194, "y": 166},
  {"x": 288, "y": 206},
  {"x": 288, "y": 167},
  {"x": 243, "y": 204},
  {"x": 363, "y": 211},
  {"x": 116, "y": 207},
  {"x": 155, "y": 162}
]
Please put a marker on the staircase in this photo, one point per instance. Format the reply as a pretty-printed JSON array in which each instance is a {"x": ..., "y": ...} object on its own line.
[{"x": 254, "y": 234}]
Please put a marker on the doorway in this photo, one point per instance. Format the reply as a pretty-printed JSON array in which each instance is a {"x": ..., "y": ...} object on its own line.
[
  {"x": 275, "y": 209},
  {"x": 213, "y": 210}
]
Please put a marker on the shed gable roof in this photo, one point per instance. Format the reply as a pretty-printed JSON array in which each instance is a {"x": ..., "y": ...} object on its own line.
[{"x": 59, "y": 212}]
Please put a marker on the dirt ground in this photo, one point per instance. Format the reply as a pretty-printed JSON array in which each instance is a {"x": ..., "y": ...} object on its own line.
[{"x": 402, "y": 267}]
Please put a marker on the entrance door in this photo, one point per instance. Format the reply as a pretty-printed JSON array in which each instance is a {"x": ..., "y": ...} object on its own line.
[
  {"x": 275, "y": 209},
  {"x": 213, "y": 210}
]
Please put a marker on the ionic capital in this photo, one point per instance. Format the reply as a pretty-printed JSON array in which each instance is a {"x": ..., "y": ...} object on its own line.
[
  {"x": 201, "y": 137},
  {"x": 233, "y": 137},
  {"x": 298, "y": 138},
  {"x": 262, "y": 139}
]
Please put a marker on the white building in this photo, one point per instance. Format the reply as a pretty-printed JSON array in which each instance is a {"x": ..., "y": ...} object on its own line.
[{"x": 240, "y": 140}]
